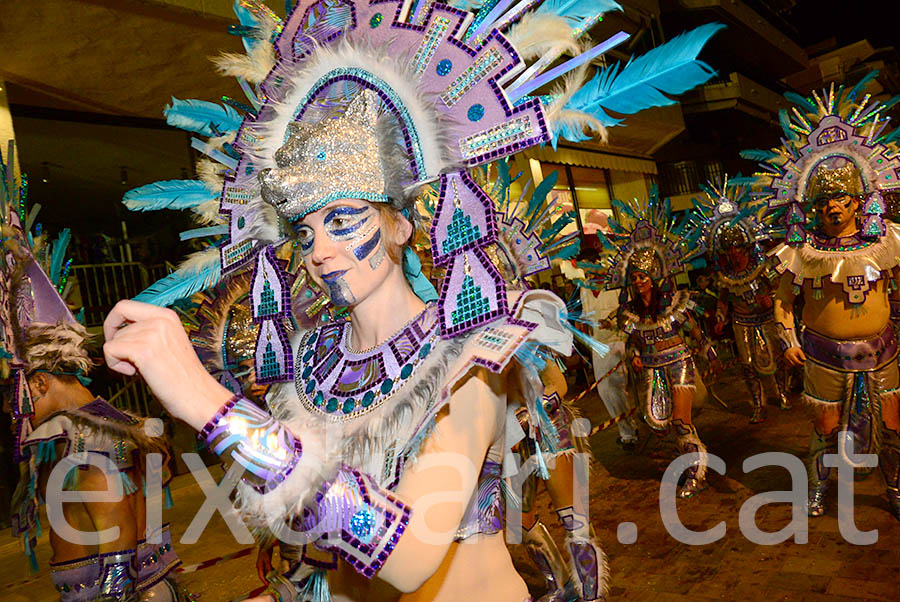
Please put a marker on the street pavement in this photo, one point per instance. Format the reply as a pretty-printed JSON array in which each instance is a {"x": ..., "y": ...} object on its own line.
[{"x": 624, "y": 489}]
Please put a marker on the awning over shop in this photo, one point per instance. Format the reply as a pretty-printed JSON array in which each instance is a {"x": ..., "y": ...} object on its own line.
[{"x": 597, "y": 160}]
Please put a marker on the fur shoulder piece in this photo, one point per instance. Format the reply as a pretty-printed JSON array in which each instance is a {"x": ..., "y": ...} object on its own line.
[
  {"x": 98, "y": 427},
  {"x": 852, "y": 266}
]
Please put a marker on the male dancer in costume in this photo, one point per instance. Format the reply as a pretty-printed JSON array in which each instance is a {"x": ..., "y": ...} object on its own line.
[
  {"x": 58, "y": 421},
  {"x": 845, "y": 272},
  {"x": 732, "y": 227}
]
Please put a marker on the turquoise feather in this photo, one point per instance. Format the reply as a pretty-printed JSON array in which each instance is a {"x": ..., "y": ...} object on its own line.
[
  {"x": 181, "y": 284},
  {"x": 540, "y": 195},
  {"x": 854, "y": 92},
  {"x": 644, "y": 82},
  {"x": 756, "y": 154},
  {"x": 577, "y": 11},
  {"x": 802, "y": 102},
  {"x": 785, "y": 120},
  {"x": 169, "y": 194},
  {"x": 203, "y": 117},
  {"x": 58, "y": 255}
]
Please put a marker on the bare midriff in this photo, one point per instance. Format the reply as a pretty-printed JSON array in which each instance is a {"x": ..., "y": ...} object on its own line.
[
  {"x": 833, "y": 317},
  {"x": 478, "y": 568}
]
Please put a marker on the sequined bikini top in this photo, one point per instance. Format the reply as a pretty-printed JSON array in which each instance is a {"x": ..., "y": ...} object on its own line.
[{"x": 336, "y": 381}]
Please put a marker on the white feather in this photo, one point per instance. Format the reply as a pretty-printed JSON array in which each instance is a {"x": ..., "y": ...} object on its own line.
[
  {"x": 200, "y": 260},
  {"x": 208, "y": 213},
  {"x": 254, "y": 66},
  {"x": 208, "y": 173},
  {"x": 536, "y": 34}
]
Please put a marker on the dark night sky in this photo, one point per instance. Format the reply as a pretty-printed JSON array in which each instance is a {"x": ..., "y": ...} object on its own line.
[{"x": 847, "y": 21}]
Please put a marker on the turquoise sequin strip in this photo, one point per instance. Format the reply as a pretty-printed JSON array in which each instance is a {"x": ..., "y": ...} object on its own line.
[
  {"x": 237, "y": 195},
  {"x": 471, "y": 77},
  {"x": 237, "y": 252},
  {"x": 433, "y": 37},
  {"x": 498, "y": 136}
]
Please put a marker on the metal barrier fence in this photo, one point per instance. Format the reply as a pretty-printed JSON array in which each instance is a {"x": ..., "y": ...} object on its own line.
[{"x": 101, "y": 286}]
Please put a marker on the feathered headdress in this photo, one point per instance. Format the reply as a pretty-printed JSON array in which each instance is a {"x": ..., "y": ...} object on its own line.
[
  {"x": 835, "y": 142},
  {"x": 453, "y": 86},
  {"x": 38, "y": 329},
  {"x": 724, "y": 216},
  {"x": 645, "y": 238}
]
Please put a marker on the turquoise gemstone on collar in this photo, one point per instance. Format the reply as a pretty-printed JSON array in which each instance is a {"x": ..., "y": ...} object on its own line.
[
  {"x": 308, "y": 355},
  {"x": 318, "y": 399},
  {"x": 348, "y": 406},
  {"x": 367, "y": 399},
  {"x": 425, "y": 350},
  {"x": 387, "y": 385},
  {"x": 310, "y": 385},
  {"x": 306, "y": 372},
  {"x": 331, "y": 405},
  {"x": 405, "y": 371}
]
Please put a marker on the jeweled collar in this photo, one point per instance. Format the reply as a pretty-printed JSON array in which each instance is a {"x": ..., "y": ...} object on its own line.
[
  {"x": 822, "y": 242},
  {"x": 345, "y": 384}
]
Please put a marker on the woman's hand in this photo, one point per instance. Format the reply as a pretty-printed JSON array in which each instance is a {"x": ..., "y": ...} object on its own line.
[
  {"x": 795, "y": 356},
  {"x": 150, "y": 340}
]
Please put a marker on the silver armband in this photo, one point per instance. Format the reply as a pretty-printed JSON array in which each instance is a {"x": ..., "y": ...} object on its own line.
[{"x": 788, "y": 336}]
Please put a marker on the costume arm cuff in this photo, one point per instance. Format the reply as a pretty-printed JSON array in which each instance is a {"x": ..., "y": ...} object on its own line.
[
  {"x": 241, "y": 432},
  {"x": 359, "y": 521},
  {"x": 788, "y": 336}
]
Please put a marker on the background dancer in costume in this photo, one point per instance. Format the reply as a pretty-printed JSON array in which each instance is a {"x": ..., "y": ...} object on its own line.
[
  {"x": 642, "y": 254},
  {"x": 575, "y": 580},
  {"x": 837, "y": 157},
  {"x": 58, "y": 419},
  {"x": 731, "y": 227}
]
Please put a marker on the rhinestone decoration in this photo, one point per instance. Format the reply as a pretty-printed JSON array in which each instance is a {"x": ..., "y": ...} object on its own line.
[
  {"x": 475, "y": 112},
  {"x": 444, "y": 67},
  {"x": 469, "y": 78},
  {"x": 499, "y": 136},
  {"x": 434, "y": 35},
  {"x": 375, "y": 21}
]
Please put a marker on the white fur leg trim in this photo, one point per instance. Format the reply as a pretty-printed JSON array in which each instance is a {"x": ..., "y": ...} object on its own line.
[
  {"x": 602, "y": 575},
  {"x": 684, "y": 387},
  {"x": 692, "y": 439}
]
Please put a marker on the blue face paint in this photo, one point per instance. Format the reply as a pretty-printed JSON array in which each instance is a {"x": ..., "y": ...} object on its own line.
[{"x": 363, "y": 250}]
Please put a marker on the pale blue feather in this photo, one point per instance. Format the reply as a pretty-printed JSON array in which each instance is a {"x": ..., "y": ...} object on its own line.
[
  {"x": 202, "y": 117},
  {"x": 577, "y": 11},
  {"x": 181, "y": 284},
  {"x": 169, "y": 194},
  {"x": 646, "y": 81}
]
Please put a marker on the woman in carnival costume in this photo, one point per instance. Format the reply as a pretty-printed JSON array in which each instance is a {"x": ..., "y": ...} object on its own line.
[
  {"x": 836, "y": 158},
  {"x": 58, "y": 421},
  {"x": 377, "y": 417},
  {"x": 643, "y": 253},
  {"x": 733, "y": 228}
]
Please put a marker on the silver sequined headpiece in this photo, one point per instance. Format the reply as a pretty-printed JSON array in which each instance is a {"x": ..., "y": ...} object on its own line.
[{"x": 346, "y": 155}]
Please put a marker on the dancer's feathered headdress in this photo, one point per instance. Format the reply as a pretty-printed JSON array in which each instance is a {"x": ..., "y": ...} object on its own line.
[
  {"x": 645, "y": 238},
  {"x": 725, "y": 216},
  {"x": 38, "y": 329},
  {"x": 428, "y": 91},
  {"x": 835, "y": 142}
]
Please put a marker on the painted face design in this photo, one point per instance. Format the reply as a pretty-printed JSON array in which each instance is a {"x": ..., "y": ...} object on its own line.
[
  {"x": 837, "y": 211},
  {"x": 342, "y": 245},
  {"x": 640, "y": 281}
]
